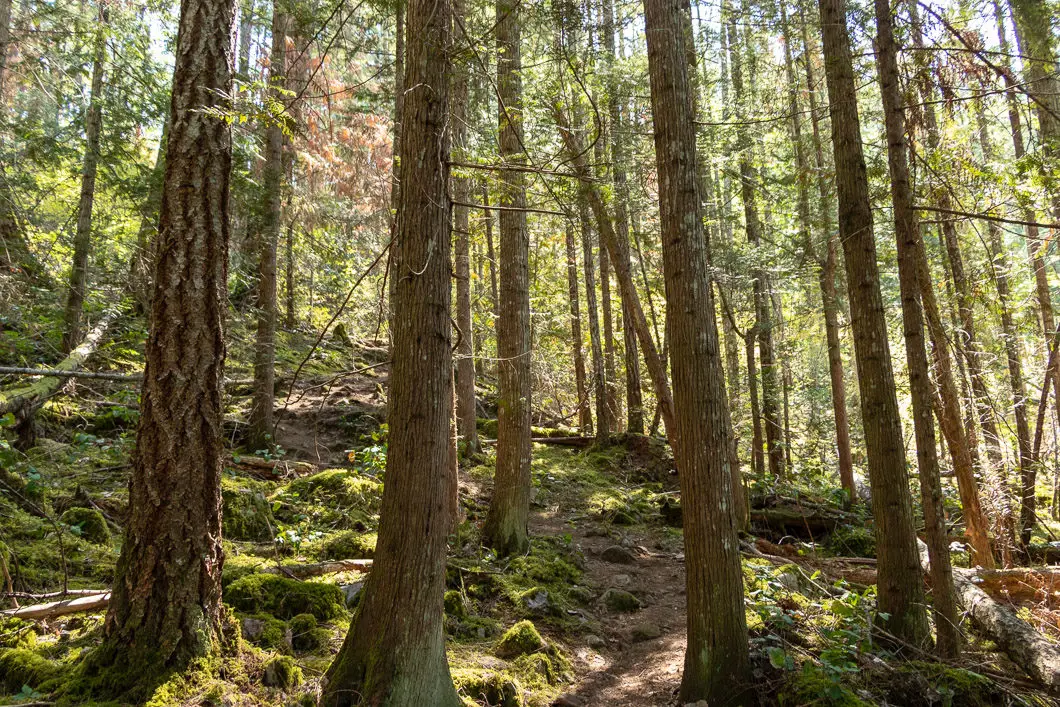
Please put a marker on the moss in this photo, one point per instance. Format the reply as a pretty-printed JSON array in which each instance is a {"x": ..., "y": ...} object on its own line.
[
  {"x": 852, "y": 541},
  {"x": 247, "y": 512},
  {"x": 19, "y": 667},
  {"x": 520, "y": 639},
  {"x": 487, "y": 427},
  {"x": 266, "y": 632},
  {"x": 285, "y": 598},
  {"x": 921, "y": 682},
  {"x": 238, "y": 565},
  {"x": 620, "y": 600},
  {"x": 87, "y": 523},
  {"x": 455, "y": 606},
  {"x": 474, "y": 627},
  {"x": 282, "y": 672},
  {"x": 16, "y": 633},
  {"x": 339, "y": 498},
  {"x": 812, "y": 685},
  {"x": 536, "y": 670},
  {"x": 306, "y": 635},
  {"x": 491, "y": 687},
  {"x": 347, "y": 545}
]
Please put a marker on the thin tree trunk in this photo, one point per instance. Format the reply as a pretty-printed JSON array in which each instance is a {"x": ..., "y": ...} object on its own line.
[
  {"x": 143, "y": 257},
  {"x": 246, "y": 26},
  {"x": 75, "y": 298},
  {"x": 900, "y": 606},
  {"x": 758, "y": 454},
  {"x": 259, "y": 435},
  {"x": 506, "y": 524},
  {"x": 608, "y": 334},
  {"x": 289, "y": 294},
  {"x": 906, "y": 231},
  {"x": 165, "y": 610},
  {"x": 394, "y": 653},
  {"x": 585, "y": 418},
  {"x": 595, "y": 347}
]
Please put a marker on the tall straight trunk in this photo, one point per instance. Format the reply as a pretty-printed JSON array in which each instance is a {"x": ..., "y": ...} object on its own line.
[
  {"x": 467, "y": 429},
  {"x": 595, "y": 348},
  {"x": 505, "y": 530},
  {"x": 585, "y": 417},
  {"x": 75, "y": 297},
  {"x": 394, "y": 653},
  {"x": 763, "y": 328},
  {"x": 608, "y": 334},
  {"x": 259, "y": 435},
  {"x": 165, "y": 609},
  {"x": 142, "y": 265},
  {"x": 826, "y": 280},
  {"x": 758, "y": 454},
  {"x": 395, "y": 164},
  {"x": 246, "y": 27},
  {"x": 716, "y": 658},
  {"x": 491, "y": 254},
  {"x": 900, "y": 587},
  {"x": 906, "y": 232},
  {"x": 289, "y": 265}
]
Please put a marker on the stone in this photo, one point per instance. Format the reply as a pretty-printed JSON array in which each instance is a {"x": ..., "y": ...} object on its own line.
[
  {"x": 594, "y": 641},
  {"x": 352, "y": 593},
  {"x": 621, "y": 600},
  {"x": 617, "y": 555},
  {"x": 252, "y": 628},
  {"x": 645, "y": 632},
  {"x": 621, "y": 580}
]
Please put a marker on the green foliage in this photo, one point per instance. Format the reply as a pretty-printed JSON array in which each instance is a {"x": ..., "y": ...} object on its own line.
[
  {"x": 336, "y": 498},
  {"x": 853, "y": 541},
  {"x": 285, "y": 598}
]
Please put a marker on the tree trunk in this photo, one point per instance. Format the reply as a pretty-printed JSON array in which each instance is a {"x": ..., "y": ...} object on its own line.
[
  {"x": 143, "y": 264},
  {"x": 487, "y": 216},
  {"x": 716, "y": 658},
  {"x": 906, "y": 231},
  {"x": 758, "y": 455},
  {"x": 75, "y": 298},
  {"x": 585, "y": 418},
  {"x": 595, "y": 348},
  {"x": 259, "y": 435},
  {"x": 467, "y": 429},
  {"x": 394, "y": 653},
  {"x": 900, "y": 586},
  {"x": 505, "y": 530},
  {"x": 166, "y": 606},
  {"x": 608, "y": 334},
  {"x": 246, "y": 26},
  {"x": 289, "y": 318}
]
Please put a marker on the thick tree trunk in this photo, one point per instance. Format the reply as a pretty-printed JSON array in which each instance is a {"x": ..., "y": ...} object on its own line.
[
  {"x": 585, "y": 418},
  {"x": 906, "y": 231},
  {"x": 716, "y": 657},
  {"x": 505, "y": 530},
  {"x": 75, "y": 297},
  {"x": 259, "y": 434},
  {"x": 166, "y": 604},
  {"x": 467, "y": 430},
  {"x": 394, "y": 653},
  {"x": 900, "y": 586}
]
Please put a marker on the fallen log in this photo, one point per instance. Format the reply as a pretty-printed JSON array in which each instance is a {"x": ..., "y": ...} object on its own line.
[
  {"x": 1040, "y": 585},
  {"x": 320, "y": 568},
  {"x": 1027, "y": 647},
  {"x": 273, "y": 468},
  {"x": 809, "y": 523},
  {"x": 37, "y": 612},
  {"x": 579, "y": 442}
]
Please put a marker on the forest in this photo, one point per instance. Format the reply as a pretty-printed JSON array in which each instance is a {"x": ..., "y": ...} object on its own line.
[{"x": 572, "y": 353}]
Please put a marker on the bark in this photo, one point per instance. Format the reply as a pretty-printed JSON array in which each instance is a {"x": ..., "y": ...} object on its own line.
[
  {"x": 42, "y": 612},
  {"x": 166, "y": 605},
  {"x": 716, "y": 659},
  {"x": 608, "y": 335},
  {"x": 758, "y": 455},
  {"x": 585, "y": 418},
  {"x": 75, "y": 297},
  {"x": 906, "y": 231},
  {"x": 763, "y": 328},
  {"x": 900, "y": 587},
  {"x": 487, "y": 216},
  {"x": 505, "y": 530},
  {"x": 394, "y": 653},
  {"x": 289, "y": 265},
  {"x": 595, "y": 347},
  {"x": 261, "y": 423},
  {"x": 467, "y": 428}
]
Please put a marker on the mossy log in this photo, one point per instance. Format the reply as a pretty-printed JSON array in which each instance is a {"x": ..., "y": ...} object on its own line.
[
  {"x": 22, "y": 400},
  {"x": 88, "y": 602},
  {"x": 320, "y": 568},
  {"x": 802, "y": 523},
  {"x": 273, "y": 469}
]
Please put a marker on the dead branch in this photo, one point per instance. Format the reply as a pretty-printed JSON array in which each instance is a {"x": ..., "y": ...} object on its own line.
[{"x": 93, "y": 602}]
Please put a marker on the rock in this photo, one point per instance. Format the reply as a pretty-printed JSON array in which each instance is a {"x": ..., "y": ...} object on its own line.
[
  {"x": 582, "y": 595},
  {"x": 621, "y": 600},
  {"x": 536, "y": 600},
  {"x": 520, "y": 639},
  {"x": 282, "y": 672},
  {"x": 568, "y": 701},
  {"x": 352, "y": 593},
  {"x": 252, "y": 628},
  {"x": 618, "y": 555},
  {"x": 594, "y": 641},
  {"x": 621, "y": 580},
  {"x": 645, "y": 632}
]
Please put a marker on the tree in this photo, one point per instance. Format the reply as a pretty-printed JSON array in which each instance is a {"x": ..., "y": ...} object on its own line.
[
  {"x": 75, "y": 297},
  {"x": 394, "y": 653},
  {"x": 165, "y": 610},
  {"x": 505, "y": 530},
  {"x": 716, "y": 658},
  {"x": 585, "y": 418},
  {"x": 900, "y": 606}
]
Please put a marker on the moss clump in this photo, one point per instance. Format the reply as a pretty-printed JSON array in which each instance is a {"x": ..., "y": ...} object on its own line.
[
  {"x": 266, "y": 631},
  {"x": 247, "y": 512},
  {"x": 853, "y": 541},
  {"x": 306, "y": 635},
  {"x": 491, "y": 687},
  {"x": 340, "y": 498},
  {"x": 16, "y": 633},
  {"x": 87, "y": 523},
  {"x": 347, "y": 545},
  {"x": 520, "y": 639},
  {"x": 620, "y": 600},
  {"x": 285, "y": 598},
  {"x": 282, "y": 672},
  {"x": 20, "y": 667},
  {"x": 487, "y": 427},
  {"x": 812, "y": 685},
  {"x": 921, "y": 682},
  {"x": 455, "y": 606}
]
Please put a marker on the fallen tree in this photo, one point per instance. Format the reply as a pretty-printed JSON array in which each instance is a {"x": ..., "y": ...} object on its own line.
[
  {"x": 40, "y": 612},
  {"x": 272, "y": 469},
  {"x": 317, "y": 569}
]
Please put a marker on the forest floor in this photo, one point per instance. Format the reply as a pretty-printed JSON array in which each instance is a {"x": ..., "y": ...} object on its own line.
[{"x": 602, "y": 585}]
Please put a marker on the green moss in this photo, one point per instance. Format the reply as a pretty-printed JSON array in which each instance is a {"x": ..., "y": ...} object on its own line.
[
  {"x": 282, "y": 672},
  {"x": 520, "y": 639},
  {"x": 339, "y": 498},
  {"x": 620, "y": 600},
  {"x": 813, "y": 685},
  {"x": 306, "y": 635},
  {"x": 347, "y": 545},
  {"x": 852, "y": 541},
  {"x": 266, "y": 632},
  {"x": 487, "y": 427},
  {"x": 490, "y": 687},
  {"x": 16, "y": 633},
  {"x": 955, "y": 686},
  {"x": 20, "y": 667},
  {"x": 87, "y": 523},
  {"x": 536, "y": 670},
  {"x": 285, "y": 598},
  {"x": 247, "y": 512},
  {"x": 455, "y": 606}
]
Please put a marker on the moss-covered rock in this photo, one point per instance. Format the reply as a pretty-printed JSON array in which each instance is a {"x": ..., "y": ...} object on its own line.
[
  {"x": 306, "y": 635},
  {"x": 491, "y": 687},
  {"x": 282, "y": 672},
  {"x": 19, "y": 667},
  {"x": 347, "y": 545},
  {"x": 247, "y": 512},
  {"x": 285, "y": 598},
  {"x": 87, "y": 523},
  {"x": 267, "y": 632},
  {"x": 455, "y": 605},
  {"x": 341, "y": 498},
  {"x": 621, "y": 600},
  {"x": 520, "y": 639}
]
